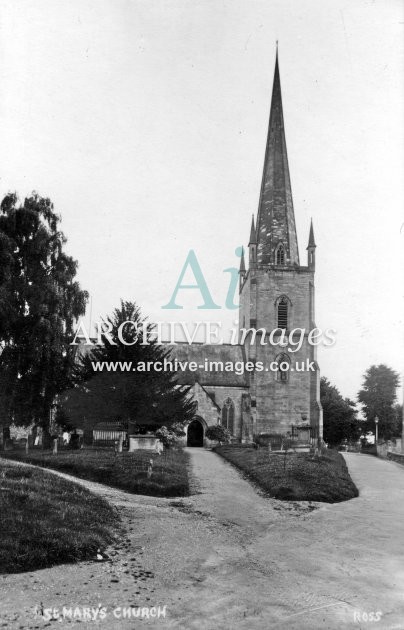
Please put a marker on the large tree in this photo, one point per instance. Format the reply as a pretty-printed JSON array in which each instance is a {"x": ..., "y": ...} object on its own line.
[
  {"x": 39, "y": 303},
  {"x": 377, "y": 396},
  {"x": 143, "y": 397},
  {"x": 398, "y": 412},
  {"x": 339, "y": 415}
]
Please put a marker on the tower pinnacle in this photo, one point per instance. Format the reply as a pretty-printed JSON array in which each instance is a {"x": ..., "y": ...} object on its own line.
[
  {"x": 311, "y": 249},
  {"x": 242, "y": 262},
  {"x": 253, "y": 233},
  {"x": 312, "y": 242}
]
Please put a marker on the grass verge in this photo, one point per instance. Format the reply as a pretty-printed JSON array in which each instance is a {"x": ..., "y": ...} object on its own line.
[
  {"x": 170, "y": 470},
  {"x": 46, "y": 520},
  {"x": 295, "y": 476}
]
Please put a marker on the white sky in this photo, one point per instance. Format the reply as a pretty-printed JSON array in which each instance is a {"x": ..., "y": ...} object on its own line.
[{"x": 145, "y": 123}]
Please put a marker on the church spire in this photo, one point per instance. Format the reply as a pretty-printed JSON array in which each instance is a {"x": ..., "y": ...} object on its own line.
[{"x": 276, "y": 227}]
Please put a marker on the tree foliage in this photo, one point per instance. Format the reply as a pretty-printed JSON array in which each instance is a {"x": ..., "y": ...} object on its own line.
[
  {"x": 339, "y": 415},
  {"x": 143, "y": 397},
  {"x": 378, "y": 396},
  {"x": 398, "y": 413},
  {"x": 39, "y": 303}
]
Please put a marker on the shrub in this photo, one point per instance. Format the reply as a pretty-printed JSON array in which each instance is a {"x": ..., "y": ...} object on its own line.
[
  {"x": 218, "y": 433},
  {"x": 168, "y": 437}
]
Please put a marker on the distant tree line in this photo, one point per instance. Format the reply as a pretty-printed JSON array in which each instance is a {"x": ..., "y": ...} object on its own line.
[{"x": 377, "y": 397}]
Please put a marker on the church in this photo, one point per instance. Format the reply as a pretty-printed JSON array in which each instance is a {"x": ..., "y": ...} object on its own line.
[{"x": 275, "y": 292}]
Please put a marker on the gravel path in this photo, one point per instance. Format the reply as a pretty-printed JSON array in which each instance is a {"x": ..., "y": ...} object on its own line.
[{"x": 228, "y": 557}]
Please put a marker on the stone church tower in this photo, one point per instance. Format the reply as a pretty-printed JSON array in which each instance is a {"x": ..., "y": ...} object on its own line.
[{"x": 277, "y": 292}]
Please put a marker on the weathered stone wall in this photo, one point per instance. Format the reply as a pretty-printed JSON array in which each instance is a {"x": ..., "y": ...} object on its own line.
[
  {"x": 210, "y": 402},
  {"x": 280, "y": 404},
  {"x": 385, "y": 448},
  {"x": 396, "y": 457},
  {"x": 221, "y": 393},
  {"x": 207, "y": 409}
]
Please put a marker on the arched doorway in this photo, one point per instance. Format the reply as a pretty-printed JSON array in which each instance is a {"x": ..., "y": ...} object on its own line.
[{"x": 195, "y": 433}]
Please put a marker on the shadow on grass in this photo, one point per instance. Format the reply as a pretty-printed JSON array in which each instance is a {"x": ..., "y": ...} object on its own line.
[{"x": 46, "y": 520}]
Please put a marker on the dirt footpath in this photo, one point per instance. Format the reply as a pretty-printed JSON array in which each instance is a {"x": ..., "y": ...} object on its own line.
[{"x": 228, "y": 557}]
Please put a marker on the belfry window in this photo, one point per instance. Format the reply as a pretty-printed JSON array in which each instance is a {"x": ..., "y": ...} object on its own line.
[
  {"x": 228, "y": 415},
  {"x": 283, "y": 313},
  {"x": 280, "y": 255}
]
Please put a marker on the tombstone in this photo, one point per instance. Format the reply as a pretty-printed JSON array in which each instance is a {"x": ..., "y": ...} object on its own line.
[
  {"x": 147, "y": 442},
  {"x": 75, "y": 440},
  {"x": 55, "y": 446}
]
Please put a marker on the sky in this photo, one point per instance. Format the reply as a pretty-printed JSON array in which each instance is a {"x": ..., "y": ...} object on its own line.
[{"x": 145, "y": 123}]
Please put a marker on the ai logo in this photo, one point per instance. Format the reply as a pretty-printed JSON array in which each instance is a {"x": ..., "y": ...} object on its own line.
[{"x": 201, "y": 284}]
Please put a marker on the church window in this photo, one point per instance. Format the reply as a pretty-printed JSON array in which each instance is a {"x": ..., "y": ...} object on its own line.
[
  {"x": 283, "y": 362},
  {"x": 280, "y": 255},
  {"x": 228, "y": 415},
  {"x": 283, "y": 313}
]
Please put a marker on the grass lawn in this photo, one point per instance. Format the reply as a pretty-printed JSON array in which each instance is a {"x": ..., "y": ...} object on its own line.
[
  {"x": 170, "y": 470},
  {"x": 296, "y": 476},
  {"x": 45, "y": 520}
]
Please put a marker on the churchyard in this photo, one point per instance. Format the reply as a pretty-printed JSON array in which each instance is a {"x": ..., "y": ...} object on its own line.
[
  {"x": 127, "y": 471},
  {"x": 292, "y": 476}
]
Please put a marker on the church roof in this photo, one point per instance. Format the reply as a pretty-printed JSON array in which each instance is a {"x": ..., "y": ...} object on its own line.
[
  {"x": 198, "y": 352},
  {"x": 276, "y": 219}
]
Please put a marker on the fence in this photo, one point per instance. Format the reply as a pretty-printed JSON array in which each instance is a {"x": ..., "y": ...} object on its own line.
[
  {"x": 295, "y": 441},
  {"x": 107, "y": 437}
]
